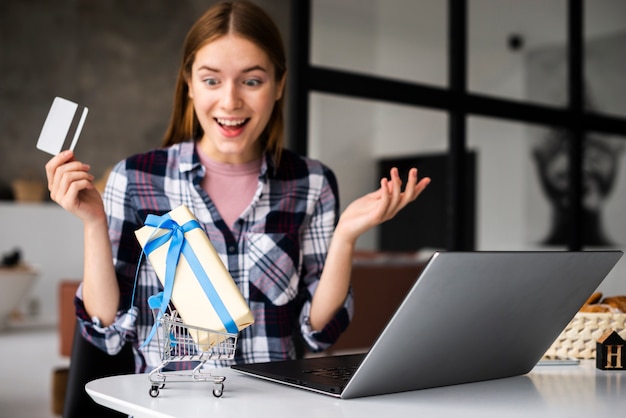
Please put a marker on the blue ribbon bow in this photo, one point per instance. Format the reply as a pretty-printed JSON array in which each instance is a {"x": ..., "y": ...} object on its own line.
[{"x": 178, "y": 246}]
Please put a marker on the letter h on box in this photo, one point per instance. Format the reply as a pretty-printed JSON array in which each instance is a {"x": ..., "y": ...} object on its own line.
[{"x": 610, "y": 351}]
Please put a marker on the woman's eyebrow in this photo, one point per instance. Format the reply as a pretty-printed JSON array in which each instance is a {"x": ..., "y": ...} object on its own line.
[
  {"x": 245, "y": 70},
  {"x": 254, "y": 68},
  {"x": 207, "y": 68}
]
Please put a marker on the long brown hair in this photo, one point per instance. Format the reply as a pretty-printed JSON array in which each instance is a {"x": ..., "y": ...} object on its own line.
[{"x": 248, "y": 21}]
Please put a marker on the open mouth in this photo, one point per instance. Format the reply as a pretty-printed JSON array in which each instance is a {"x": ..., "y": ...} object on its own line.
[{"x": 232, "y": 124}]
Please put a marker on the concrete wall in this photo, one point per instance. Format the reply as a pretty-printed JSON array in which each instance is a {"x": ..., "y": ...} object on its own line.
[{"x": 117, "y": 57}]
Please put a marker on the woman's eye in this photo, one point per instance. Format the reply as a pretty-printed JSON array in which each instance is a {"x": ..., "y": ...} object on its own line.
[
  {"x": 252, "y": 83},
  {"x": 210, "y": 81}
]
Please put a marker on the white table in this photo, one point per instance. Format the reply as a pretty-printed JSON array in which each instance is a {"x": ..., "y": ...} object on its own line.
[{"x": 548, "y": 391}]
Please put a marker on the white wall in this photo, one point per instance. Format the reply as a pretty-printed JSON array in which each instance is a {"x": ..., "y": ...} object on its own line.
[{"x": 51, "y": 240}]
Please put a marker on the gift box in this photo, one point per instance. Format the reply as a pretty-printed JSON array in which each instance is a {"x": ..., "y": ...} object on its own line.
[{"x": 194, "y": 278}]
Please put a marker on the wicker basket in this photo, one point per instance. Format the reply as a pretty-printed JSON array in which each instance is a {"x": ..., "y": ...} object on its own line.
[{"x": 578, "y": 339}]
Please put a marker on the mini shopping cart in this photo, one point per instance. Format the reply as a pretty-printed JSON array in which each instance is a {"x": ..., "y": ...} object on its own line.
[{"x": 177, "y": 344}]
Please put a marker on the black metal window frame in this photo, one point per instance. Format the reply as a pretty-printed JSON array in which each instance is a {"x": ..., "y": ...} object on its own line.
[{"x": 457, "y": 101}]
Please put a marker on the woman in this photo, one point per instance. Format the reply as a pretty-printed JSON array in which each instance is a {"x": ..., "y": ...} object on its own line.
[{"x": 272, "y": 215}]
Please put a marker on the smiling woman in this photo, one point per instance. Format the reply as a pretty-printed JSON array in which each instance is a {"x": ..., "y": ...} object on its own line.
[
  {"x": 233, "y": 88},
  {"x": 250, "y": 53},
  {"x": 271, "y": 215}
]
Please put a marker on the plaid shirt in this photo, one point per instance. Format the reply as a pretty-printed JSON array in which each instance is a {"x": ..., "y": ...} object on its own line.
[{"x": 275, "y": 251}]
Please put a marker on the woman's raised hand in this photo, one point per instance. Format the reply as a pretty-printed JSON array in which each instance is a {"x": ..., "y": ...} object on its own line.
[
  {"x": 379, "y": 206},
  {"x": 71, "y": 186}
]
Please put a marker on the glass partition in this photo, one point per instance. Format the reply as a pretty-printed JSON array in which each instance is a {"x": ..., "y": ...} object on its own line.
[
  {"x": 604, "y": 201},
  {"x": 514, "y": 207},
  {"x": 353, "y": 136},
  {"x": 397, "y": 39},
  {"x": 514, "y": 44},
  {"x": 605, "y": 57}
]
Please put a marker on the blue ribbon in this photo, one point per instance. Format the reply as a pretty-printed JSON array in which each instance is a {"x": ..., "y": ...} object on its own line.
[{"x": 178, "y": 246}]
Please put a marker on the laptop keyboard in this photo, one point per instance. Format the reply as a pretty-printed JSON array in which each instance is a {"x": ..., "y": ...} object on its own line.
[{"x": 337, "y": 373}]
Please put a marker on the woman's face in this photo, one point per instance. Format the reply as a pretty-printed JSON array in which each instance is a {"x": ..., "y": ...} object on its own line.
[{"x": 233, "y": 89}]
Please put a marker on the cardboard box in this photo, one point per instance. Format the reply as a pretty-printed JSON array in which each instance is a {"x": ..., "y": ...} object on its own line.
[{"x": 203, "y": 291}]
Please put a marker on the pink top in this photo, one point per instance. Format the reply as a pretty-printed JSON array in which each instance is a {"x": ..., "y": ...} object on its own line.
[{"x": 230, "y": 186}]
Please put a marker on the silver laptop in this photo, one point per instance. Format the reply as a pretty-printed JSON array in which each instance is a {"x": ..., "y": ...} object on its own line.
[{"x": 470, "y": 316}]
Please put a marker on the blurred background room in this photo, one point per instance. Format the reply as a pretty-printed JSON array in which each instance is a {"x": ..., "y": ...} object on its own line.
[{"x": 515, "y": 109}]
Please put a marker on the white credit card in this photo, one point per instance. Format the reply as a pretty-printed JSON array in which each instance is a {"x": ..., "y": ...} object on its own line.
[{"x": 62, "y": 126}]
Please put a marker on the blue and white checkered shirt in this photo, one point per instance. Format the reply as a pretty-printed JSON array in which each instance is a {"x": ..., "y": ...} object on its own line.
[{"x": 275, "y": 251}]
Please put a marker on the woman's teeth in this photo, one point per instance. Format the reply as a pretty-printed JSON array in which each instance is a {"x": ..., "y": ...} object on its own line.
[{"x": 230, "y": 122}]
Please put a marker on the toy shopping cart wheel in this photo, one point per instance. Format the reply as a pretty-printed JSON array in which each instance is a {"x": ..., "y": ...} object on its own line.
[{"x": 184, "y": 343}]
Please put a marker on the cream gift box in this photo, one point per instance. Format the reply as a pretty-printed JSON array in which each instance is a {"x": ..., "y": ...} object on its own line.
[{"x": 193, "y": 276}]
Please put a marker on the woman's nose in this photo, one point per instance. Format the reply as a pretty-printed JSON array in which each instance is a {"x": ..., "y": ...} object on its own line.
[{"x": 231, "y": 98}]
